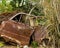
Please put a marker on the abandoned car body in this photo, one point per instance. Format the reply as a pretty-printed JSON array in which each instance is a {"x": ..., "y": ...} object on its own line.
[{"x": 15, "y": 30}]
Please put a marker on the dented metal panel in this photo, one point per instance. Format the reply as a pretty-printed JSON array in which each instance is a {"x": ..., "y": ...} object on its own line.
[
  {"x": 18, "y": 32},
  {"x": 39, "y": 34}
]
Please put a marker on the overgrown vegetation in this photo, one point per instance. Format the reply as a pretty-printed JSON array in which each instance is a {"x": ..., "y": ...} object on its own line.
[
  {"x": 5, "y": 7},
  {"x": 49, "y": 9}
]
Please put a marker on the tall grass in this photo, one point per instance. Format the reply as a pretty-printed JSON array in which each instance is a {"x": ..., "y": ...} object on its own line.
[{"x": 51, "y": 13}]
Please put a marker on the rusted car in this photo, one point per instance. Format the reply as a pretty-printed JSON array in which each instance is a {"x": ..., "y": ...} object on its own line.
[{"x": 18, "y": 29}]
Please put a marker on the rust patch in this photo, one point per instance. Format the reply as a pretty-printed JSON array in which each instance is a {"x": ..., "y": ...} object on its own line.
[
  {"x": 18, "y": 32},
  {"x": 21, "y": 33},
  {"x": 39, "y": 34}
]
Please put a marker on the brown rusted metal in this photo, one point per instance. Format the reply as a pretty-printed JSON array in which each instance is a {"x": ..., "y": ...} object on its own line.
[
  {"x": 39, "y": 34},
  {"x": 19, "y": 32},
  {"x": 16, "y": 32}
]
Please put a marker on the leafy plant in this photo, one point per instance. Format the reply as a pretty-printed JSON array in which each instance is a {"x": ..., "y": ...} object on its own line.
[
  {"x": 34, "y": 44},
  {"x": 2, "y": 44},
  {"x": 5, "y": 7},
  {"x": 27, "y": 6}
]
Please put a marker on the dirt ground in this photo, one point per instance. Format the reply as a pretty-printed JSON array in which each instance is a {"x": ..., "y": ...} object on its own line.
[{"x": 8, "y": 46}]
